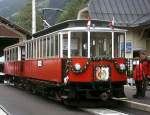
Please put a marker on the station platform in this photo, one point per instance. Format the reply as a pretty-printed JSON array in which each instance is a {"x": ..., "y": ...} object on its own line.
[
  {"x": 131, "y": 90},
  {"x": 135, "y": 103}
]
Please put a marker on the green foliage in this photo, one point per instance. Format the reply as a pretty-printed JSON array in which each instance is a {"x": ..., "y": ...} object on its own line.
[
  {"x": 24, "y": 18},
  {"x": 71, "y": 10}
]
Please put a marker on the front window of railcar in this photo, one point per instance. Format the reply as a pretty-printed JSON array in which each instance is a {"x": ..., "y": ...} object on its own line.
[
  {"x": 100, "y": 44},
  {"x": 119, "y": 44},
  {"x": 79, "y": 44}
]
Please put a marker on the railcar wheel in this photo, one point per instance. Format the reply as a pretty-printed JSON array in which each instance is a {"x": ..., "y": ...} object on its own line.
[{"x": 104, "y": 96}]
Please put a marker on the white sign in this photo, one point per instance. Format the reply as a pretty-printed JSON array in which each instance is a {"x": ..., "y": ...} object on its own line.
[{"x": 40, "y": 63}]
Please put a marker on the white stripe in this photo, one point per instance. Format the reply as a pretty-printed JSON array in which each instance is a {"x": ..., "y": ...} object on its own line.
[
  {"x": 3, "y": 111},
  {"x": 104, "y": 111}
]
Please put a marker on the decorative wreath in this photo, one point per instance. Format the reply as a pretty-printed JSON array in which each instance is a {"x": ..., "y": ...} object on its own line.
[{"x": 70, "y": 67}]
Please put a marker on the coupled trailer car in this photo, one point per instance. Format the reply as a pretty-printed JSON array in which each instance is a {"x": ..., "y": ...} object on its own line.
[{"x": 70, "y": 61}]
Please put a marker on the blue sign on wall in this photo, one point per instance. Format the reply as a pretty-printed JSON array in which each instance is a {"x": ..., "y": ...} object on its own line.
[{"x": 128, "y": 47}]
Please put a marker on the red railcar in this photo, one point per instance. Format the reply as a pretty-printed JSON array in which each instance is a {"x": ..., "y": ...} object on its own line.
[{"x": 70, "y": 61}]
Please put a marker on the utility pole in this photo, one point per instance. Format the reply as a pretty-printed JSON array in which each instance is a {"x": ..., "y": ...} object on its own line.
[{"x": 33, "y": 17}]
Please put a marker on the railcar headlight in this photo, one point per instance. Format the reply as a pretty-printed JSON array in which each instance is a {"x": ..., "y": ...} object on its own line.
[
  {"x": 122, "y": 66},
  {"x": 102, "y": 73},
  {"x": 77, "y": 66}
]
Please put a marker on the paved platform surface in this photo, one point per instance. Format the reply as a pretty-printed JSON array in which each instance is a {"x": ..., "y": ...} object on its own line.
[
  {"x": 131, "y": 90},
  {"x": 135, "y": 103}
]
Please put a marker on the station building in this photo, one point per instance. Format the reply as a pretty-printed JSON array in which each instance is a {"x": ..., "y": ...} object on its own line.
[
  {"x": 10, "y": 34},
  {"x": 133, "y": 15}
]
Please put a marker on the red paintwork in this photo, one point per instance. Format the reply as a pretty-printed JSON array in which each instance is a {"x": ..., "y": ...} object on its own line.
[
  {"x": 88, "y": 75},
  {"x": 51, "y": 70}
]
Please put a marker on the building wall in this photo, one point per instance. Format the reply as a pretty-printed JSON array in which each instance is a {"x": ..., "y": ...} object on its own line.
[
  {"x": 135, "y": 37},
  {"x": 148, "y": 47}
]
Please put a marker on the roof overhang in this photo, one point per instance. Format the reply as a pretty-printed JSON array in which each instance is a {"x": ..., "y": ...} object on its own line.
[{"x": 15, "y": 27}]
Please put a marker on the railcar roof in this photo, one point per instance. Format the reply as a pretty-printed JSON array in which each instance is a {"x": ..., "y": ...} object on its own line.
[{"x": 70, "y": 23}]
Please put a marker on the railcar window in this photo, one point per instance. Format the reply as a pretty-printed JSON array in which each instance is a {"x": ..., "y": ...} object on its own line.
[
  {"x": 44, "y": 48},
  {"x": 16, "y": 53},
  {"x": 27, "y": 51},
  {"x": 31, "y": 53},
  {"x": 30, "y": 50},
  {"x": 42, "y": 55},
  {"x": 7, "y": 55},
  {"x": 52, "y": 45},
  {"x": 11, "y": 54},
  {"x": 79, "y": 44},
  {"x": 34, "y": 49},
  {"x": 48, "y": 46},
  {"x": 100, "y": 44},
  {"x": 56, "y": 45},
  {"x": 22, "y": 53},
  {"x": 40, "y": 49},
  {"x": 119, "y": 44},
  {"x": 65, "y": 45}
]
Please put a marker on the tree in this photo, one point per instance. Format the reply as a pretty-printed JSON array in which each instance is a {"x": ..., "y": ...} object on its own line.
[
  {"x": 71, "y": 10},
  {"x": 24, "y": 18}
]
